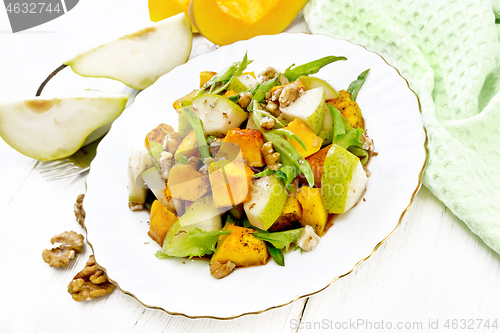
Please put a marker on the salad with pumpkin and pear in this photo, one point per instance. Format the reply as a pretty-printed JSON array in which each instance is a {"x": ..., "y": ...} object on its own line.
[{"x": 258, "y": 164}]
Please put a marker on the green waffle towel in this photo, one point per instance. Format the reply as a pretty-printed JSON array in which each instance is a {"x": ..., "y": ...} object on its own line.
[{"x": 449, "y": 51}]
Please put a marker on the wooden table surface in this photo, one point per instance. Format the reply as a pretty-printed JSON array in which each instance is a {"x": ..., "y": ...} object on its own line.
[{"x": 433, "y": 274}]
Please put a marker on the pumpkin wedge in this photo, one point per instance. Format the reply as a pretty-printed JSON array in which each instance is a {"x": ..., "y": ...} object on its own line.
[{"x": 226, "y": 21}]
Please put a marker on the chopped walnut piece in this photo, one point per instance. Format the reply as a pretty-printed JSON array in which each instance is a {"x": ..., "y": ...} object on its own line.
[
  {"x": 133, "y": 206},
  {"x": 267, "y": 123},
  {"x": 171, "y": 142},
  {"x": 288, "y": 94},
  {"x": 270, "y": 156},
  {"x": 271, "y": 107},
  {"x": 244, "y": 99},
  {"x": 78, "y": 209},
  {"x": 166, "y": 163},
  {"x": 269, "y": 73},
  {"x": 71, "y": 243},
  {"x": 90, "y": 283},
  {"x": 219, "y": 270},
  {"x": 195, "y": 162}
]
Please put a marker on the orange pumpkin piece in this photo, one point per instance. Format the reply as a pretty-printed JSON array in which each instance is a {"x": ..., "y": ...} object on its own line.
[
  {"x": 240, "y": 247},
  {"x": 161, "y": 9},
  {"x": 316, "y": 162},
  {"x": 160, "y": 221},
  {"x": 226, "y": 21},
  {"x": 311, "y": 140},
  {"x": 157, "y": 135},
  {"x": 230, "y": 93},
  {"x": 205, "y": 77},
  {"x": 184, "y": 101},
  {"x": 348, "y": 108},
  {"x": 186, "y": 183},
  {"x": 250, "y": 142},
  {"x": 230, "y": 183}
]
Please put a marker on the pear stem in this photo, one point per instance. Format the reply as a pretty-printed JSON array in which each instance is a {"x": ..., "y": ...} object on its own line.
[{"x": 51, "y": 75}]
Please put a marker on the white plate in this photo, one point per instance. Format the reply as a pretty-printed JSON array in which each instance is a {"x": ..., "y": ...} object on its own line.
[{"x": 119, "y": 238}]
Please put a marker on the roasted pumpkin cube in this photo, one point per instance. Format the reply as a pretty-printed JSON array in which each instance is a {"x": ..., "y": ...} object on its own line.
[
  {"x": 316, "y": 162},
  {"x": 230, "y": 182},
  {"x": 291, "y": 213},
  {"x": 157, "y": 135},
  {"x": 250, "y": 143},
  {"x": 348, "y": 108},
  {"x": 311, "y": 140},
  {"x": 313, "y": 211},
  {"x": 161, "y": 220},
  {"x": 240, "y": 247},
  {"x": 184, "y": 101},
  {"x": 187, "y": 146},
  {"x": 230, "y": 93},
  {"x": 186, "y": 183},
  {"x": 205, "y": 77}
]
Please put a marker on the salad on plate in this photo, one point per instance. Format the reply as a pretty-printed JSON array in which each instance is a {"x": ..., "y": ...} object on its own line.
[{"x": 258, "y": 164}]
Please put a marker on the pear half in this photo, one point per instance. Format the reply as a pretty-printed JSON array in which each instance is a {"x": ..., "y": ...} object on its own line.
[
  {"x": 48, "y": 129},
  {"x": 139, "y": 59}
]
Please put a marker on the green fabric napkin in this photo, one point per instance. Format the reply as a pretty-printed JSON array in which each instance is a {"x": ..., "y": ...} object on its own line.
[{"x": 449, "y": 51}]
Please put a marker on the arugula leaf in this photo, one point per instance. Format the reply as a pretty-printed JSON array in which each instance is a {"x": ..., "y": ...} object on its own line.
[
  {"x": 196, "y": 244},
  {"x": 290, "y": 157},
  {"x": 264, "y": 173},
  {"x": 351, "y": 138},
  {"x": 276, "y": 254},
  {"x": 360, "y": 153},
  {"x": 309, "y": 68},
  {"x": 343, "y": 134},
  {"x": 356, "y": 85},
  {"x": 282, "y": 239},
  {"x": 261, "y": 91},
  {"x": 197, "y": 125},
  {"x": 221, "y": 80},
  {"x": 262, "y": 114}
]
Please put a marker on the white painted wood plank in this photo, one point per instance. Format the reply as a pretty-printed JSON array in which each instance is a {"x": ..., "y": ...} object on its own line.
[{"x": 433, "y": 268}]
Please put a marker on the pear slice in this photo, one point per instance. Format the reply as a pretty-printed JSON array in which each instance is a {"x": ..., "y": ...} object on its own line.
[
  {"x": 242, "y": 82},
  {"x": 48, "y": 129},
  {"x": 268, "y": 197},
  {"x": 311, "y": 82},
  {"x": 218, "y": 114},
  {"x": 309, "y": 107},
  {"x": 139, "y": 59},
  {"x": 327, "y": 130},
  {"x": 201, "y": 210},
  {"x": 343, "y": 181}
]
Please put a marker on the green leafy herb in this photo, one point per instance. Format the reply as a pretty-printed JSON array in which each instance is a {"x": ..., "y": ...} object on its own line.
[
  {"x": 293, "y": 163},
  {"x": 264, "y": 173},
  {"x": 356, "y": 85},
  {"x": 155, "y": 150},
  {"x": 184, "y": 125},
  {"x": 196, "y": 244},
  {"x": 282, "y": 239},
  {"x": 262, "y": 114},
  {"x": 276, "y": 254},
  {"x": 310, "y": 68},
  {"x": 343, "y": 134},
  {"x": 197, "y": 125},
  {"x": 221, "y": 80},
  {"x": 261, "y": 91},
  {"x": 360, "y": 153}
]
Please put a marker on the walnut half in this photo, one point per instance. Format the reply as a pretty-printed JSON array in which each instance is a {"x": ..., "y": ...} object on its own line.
[
  {"x": 90, "y": 283},
  {"x": 71, "y": 243}
]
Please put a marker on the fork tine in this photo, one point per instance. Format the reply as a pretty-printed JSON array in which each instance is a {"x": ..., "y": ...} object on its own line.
[
  {"x": 60, "y": 167},
  {"x": 49, "y": 165},
  {"x": 66, "y": 175},
  {"x": 59, "y": 170}
]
